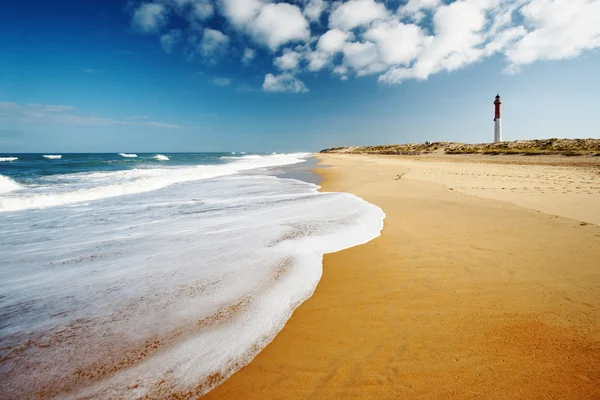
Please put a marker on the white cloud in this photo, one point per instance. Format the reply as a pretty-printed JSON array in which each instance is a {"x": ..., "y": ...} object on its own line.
[
  {"x": 414, "y": 8},
  {"x": 169, "y": 40},
  {"x": 341, "y": 70},
  {"x": 240, "y": 12},
  {"x": 374, "y": 39},
  {"x": 248, "y": 56},
  {"x": 149, "y": 17},
  {"x": 288, "y": 60},
  {"x": 317, "y": 60},
  {"x": 203, "y": 10},
  {"x": 397, "y": 43},
  {"x": 270, "y": 24},
  {"x": 332, "y": 41},
  {"x": 458, "y": 36},
  {"x": 285, "y": 82},
  {"x": 504, "y": 39},
  {"x": 362, "y": 57},
  {"x": 214, "y": 43},
  {"x": 64, "y": 115},
  {"x": 314, "y": 9},
  {"x": 356, "y": 13},
  {"x": 278, "y": 24},
  {"x": 221, "y": 81},
  {"x": 561, "y": 29}
]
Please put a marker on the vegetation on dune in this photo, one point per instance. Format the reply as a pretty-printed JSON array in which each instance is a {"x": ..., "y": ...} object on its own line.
[{"x": 566, "y": 147}]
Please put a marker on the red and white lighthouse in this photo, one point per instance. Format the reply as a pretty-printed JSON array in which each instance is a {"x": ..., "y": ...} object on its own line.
[{"x": 497, "y": 123}]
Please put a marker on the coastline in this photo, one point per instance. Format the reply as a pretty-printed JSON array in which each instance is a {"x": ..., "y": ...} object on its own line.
[{"x": 462, "y": 296}]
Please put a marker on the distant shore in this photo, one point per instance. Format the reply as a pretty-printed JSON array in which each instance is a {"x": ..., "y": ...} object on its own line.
[
  {"x": 539, "y": 147},
  {"x": 470, "y": 292}
]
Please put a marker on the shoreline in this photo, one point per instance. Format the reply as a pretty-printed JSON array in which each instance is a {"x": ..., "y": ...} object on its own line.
[{"x": 462, "y": 296}]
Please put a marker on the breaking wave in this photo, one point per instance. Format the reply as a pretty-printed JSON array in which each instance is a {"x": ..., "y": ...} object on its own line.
[
  {"x": 160, "y": 157},
  {"x": 99, "y": 185},
  {"x": 128, "y": 155},
  {"x": 9, "y": 158},
  {"x": 53, "y": 157},
  {"x": 8, "y": 185}
]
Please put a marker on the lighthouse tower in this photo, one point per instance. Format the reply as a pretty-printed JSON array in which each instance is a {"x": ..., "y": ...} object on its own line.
[{"x": 497, "y": 122}]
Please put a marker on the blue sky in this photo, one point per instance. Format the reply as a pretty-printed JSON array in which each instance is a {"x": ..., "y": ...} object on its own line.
[{"x": 254, "y": 75}]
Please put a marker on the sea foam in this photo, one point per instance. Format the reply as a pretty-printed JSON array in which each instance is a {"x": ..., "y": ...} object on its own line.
[
  {"x": 128, "y": 155},
  {"x": 161, "y": 157},
  {"x": 8, "y": 185},
  {"x": 8, "y": 159},
  {"x": 165, "y": 293},
  {"x": 52, "y": 157}
]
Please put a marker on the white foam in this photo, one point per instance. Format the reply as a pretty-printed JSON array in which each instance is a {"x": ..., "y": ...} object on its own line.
[
  {"x": 208, "y": 272},
  {"x": 99, "y": 185},
  {"x": 128, "y": 155},
  {"x": 53, "y": 157},
  {"x": 8, "y": 159},
  {"x": 8, "y": 185},
  {"x": 248, "y": 157},
  {"x": 160, "y": 157}
]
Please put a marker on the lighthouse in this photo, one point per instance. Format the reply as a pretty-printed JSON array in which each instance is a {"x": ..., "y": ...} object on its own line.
[{"x": 497, "y": 123}]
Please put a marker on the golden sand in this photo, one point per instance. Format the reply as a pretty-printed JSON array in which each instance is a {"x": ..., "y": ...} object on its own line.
[{"x": 461, "y": 297}]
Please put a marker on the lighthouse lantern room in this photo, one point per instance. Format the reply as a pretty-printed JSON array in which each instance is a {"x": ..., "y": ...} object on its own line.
[{"x": 497, "y": 122}]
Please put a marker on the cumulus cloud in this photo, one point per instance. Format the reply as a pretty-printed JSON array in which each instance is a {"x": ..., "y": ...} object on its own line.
[
  {"x": 415, "y": 8},
  {"x": 214, "y": 43},
  {"x": 203, "y": 10},
  {"x": 248, "y": 56},
  {"x": 329, "y": 44},
  {"x": 362, "y": 58},
  {"x": 285, "y": 82},
  {"x": 280, "y": 23},
  {"x": 288, "y": 60},
  {"x": 169, "y": 40},
  {"x": 396, "y": 42},
  {"x": 561, "y": 29},
  {"x": 332, "y": 41},
  {"x": 240, "y": 13},
  {"x": 269, "y": 24},
  {"x": 314, "y": 9},
  {"x": 149, "y": 17},
  {"x": 369, "y": 37},
  {"x": 355, "y": 13}
]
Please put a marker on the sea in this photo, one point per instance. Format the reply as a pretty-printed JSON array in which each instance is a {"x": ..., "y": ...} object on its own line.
[{"x": 152, "y": 275}]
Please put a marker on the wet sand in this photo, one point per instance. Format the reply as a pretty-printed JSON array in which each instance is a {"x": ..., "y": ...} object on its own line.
[{"x": 470, "y": 292}]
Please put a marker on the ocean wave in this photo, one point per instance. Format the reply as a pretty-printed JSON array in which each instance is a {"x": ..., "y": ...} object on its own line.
[
  {"x": 160, "y": 157},
  {"x": 52, "y": 157},
  {"x": 9, "y": 158},
  {"x": 128, "y": 155},
  {"x": 8, "y": 185},
  {"x": 100, "y": 185}
]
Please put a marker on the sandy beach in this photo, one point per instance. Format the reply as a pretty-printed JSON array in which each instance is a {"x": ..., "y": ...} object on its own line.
[{"x": 485, "y": 283}]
